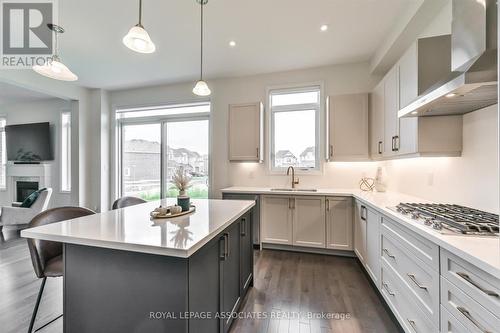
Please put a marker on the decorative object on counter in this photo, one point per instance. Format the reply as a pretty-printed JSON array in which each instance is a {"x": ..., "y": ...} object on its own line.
[
  {"x": 366, "y": 184},
  {"x": 381, "y": 180},
  {"x": 171, "y": 211},
  {"x": 184, "y": 202},
  {"x": 181, "y": 181}
]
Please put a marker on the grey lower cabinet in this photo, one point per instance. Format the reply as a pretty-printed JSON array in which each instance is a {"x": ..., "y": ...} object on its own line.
[
  {"x": 107, "y": 290},
  {"x": 255, "y": 211}
]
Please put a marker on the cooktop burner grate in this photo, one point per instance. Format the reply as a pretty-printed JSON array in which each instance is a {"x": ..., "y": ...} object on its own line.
[{"x": 457, "y": 218}]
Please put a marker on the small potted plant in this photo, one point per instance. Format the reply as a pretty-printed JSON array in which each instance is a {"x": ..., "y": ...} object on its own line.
[{"x": 182, "y": 181}]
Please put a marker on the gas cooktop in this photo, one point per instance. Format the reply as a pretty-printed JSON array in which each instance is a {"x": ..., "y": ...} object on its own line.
[{"x": 447, "y": 218}]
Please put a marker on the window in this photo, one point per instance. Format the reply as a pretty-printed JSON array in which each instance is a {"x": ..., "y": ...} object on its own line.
[
  {"x": 3, "y": 155},
  {"x": 66, "y": 151},
  {"x": 154, "y": 142},
  {"x": 295, "y": 128}
]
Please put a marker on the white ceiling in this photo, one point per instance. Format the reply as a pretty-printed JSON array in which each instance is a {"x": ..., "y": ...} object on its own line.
[
  {"x": 10, "y": 94},
  {"x": 271, "y": 35}
]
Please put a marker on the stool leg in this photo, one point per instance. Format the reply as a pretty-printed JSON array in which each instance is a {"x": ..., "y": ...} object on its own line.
[{"x": 35, "y": 310}]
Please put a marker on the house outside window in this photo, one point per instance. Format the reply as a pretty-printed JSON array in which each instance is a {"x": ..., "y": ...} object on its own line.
[{"x": 294, "y": 118}]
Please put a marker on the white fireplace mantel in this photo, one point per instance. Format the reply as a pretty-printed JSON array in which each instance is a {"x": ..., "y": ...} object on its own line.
[{"x": 41, "y": 173}]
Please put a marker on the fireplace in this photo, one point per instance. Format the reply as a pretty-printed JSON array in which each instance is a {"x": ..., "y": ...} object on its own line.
[{"x": 24, "y": 189}]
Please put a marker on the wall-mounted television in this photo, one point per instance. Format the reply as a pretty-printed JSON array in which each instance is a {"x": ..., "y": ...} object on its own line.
[{"x": 28, "y": 143}]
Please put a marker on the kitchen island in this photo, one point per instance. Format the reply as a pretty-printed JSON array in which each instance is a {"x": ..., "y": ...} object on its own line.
[{"x": 126, "y": 273}]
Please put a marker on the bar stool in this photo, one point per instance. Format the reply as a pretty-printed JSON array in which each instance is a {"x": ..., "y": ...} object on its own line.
[
  {"x": 47, "y": 256},
  {"x": 127, "y": 201}
]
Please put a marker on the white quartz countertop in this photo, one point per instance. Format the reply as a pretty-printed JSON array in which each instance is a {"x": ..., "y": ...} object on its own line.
[
  {"x": 482, "y": 251},
  {"x": 131, "y": 228}
]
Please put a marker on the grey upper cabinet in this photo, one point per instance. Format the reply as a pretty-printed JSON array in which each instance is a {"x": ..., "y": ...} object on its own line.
[
  {"x": 377, "y": 121},
  {"x": 246, "y": 135},
  {"x": 347, "y": 127}
]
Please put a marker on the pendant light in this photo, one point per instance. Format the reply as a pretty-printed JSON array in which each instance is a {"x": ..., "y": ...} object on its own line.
[
  {"x": 54, "y": 68},
  {"x": 201, "y": 87},
  {"x": 138, "y": 39}
]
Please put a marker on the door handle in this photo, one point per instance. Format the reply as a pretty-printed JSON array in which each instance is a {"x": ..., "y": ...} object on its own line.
[
  {"x": 467, "y": 315},
  {"x": 223, "y": 251},
  {"x": 389, "y": 254},
  {"x": 363, "y": 215},
  {"x": 243, "y": 226},
  {"x": 414, "y": 279},
  {"x": 393, "y": 146},
  {"x": 386, "y": 287},
  {"x": 327, "y": 202},
  {"x": 396, "y": 143},
  {"x": 467, "y": 278},
  {"x": 258, "y": 152},
  {"x": 227, "y": 246},
  {"x": 380, "y": 147},
  {"x": 330, "y": 151},
  {"x": 412, "y": 324}
]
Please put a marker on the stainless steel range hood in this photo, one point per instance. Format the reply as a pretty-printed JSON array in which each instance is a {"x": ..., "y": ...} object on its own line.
[{"x": 472, "y": 81}]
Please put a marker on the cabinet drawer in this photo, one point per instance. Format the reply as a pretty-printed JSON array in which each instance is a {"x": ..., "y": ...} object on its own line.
[
  {"x": 423, "y": 249},
  {"x": 450, "y": 324},
  {"x": 408, "y": 313},
  {"x": 421, "y": 282},
  {"x": 469, "y": 312},
  {"x": 481, "y": 286}
]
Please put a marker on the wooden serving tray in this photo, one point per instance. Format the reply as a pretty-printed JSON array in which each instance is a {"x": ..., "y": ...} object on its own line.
[{"x": 155, "y": 215}]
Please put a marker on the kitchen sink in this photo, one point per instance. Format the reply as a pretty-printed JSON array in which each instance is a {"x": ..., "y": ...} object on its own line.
[{"x": 294, "y": 189}]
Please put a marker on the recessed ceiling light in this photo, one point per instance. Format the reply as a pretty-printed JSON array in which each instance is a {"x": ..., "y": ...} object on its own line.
[
  {"x": 324, "y": 27},
  {"x": 451, "y": 95},
  {"x": 414, "y": 112},
  {"x": 232, "y": 43}
]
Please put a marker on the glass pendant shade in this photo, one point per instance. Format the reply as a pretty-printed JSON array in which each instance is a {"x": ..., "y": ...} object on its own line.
[
  {"x": 138, "y": 40},
  {"x": 55, "y": 69},
  {"x": 201, "y": 89}
]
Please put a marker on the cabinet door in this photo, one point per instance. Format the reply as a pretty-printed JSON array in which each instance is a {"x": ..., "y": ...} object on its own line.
[
  {"x": 276, "y": 220},
  {"x": 377, "y": 121},
  {"x": 230, "y": 272},
  {"x": 408, "y": 76},
  {"x": 255, "y": 214},
  {"x": 373, "y": 252},
  {"x": 309, "y": 221},
  {"x": 348, "y": 127},
  {"x": 245, "y": 132},
  {"x": 360, "y": 231},
  {"x": 339, "y": 223},
  {"x": 391, "y": 108},
  {"x": 246, "y": 253}
]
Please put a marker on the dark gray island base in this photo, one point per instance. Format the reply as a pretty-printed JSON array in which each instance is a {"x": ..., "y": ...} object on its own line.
[{"x": 108, "y": 290}]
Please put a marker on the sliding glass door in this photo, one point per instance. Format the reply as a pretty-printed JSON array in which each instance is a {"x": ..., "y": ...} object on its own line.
[
  {"x": 153, "y": 148},
  {"x": 187, "y": 148}
]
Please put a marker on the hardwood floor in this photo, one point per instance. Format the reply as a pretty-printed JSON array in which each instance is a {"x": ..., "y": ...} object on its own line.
[{"x": 287, "y": 288}]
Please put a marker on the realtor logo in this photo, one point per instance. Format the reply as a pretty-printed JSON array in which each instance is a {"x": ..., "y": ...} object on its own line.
[{"x": 26, "y": 39}]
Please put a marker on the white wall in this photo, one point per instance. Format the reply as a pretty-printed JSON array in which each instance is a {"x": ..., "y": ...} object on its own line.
[
  {"x": 352, "y": 78},
  {"x": 468, "y": 180},
  {"x": 42, "y": 111}
]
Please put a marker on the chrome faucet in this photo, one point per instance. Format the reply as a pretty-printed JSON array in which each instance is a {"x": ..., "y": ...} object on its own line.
[{"x": 294, "y": 181}]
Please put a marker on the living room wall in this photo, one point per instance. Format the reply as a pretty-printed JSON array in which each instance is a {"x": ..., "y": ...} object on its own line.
[{"x": 41, "y": 111}]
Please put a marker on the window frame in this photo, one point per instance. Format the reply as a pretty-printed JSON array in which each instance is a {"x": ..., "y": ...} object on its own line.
[
  {"x": 162, "y": 120},
  {"x": 69, "y": 152},
  {"x": 319, "y": 117}
]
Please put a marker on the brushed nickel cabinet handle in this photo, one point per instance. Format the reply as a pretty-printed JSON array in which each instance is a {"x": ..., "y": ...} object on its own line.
[
  {"x": 389, "y": 254},
  {"x": 467, "y": 315},
  {"x": 222, "y": 256},
  {"x": 380, "y": 147},
  {"x": 227, "y": 246},
  {"x": 467, "y": 278},
  {"x": 258, "y": 152},
  {"x": 414, "y": 279},
  {"x": 330, "y": 151},
  {"x": 386, "y": 287},
  {"x": 327, "y": 202},
  {"x": 363, "y": 215},
  {"x": 396, "y": 143},
  {"x": 393, "y": 144},
  {"x": 412, "y": 324},
  {"x": 243, "y": 226}
]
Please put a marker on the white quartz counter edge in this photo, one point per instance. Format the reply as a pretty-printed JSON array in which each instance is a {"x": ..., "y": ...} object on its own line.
[
  {"x": 142, "y": 248},
  {"x": 484, "y": 256}
]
